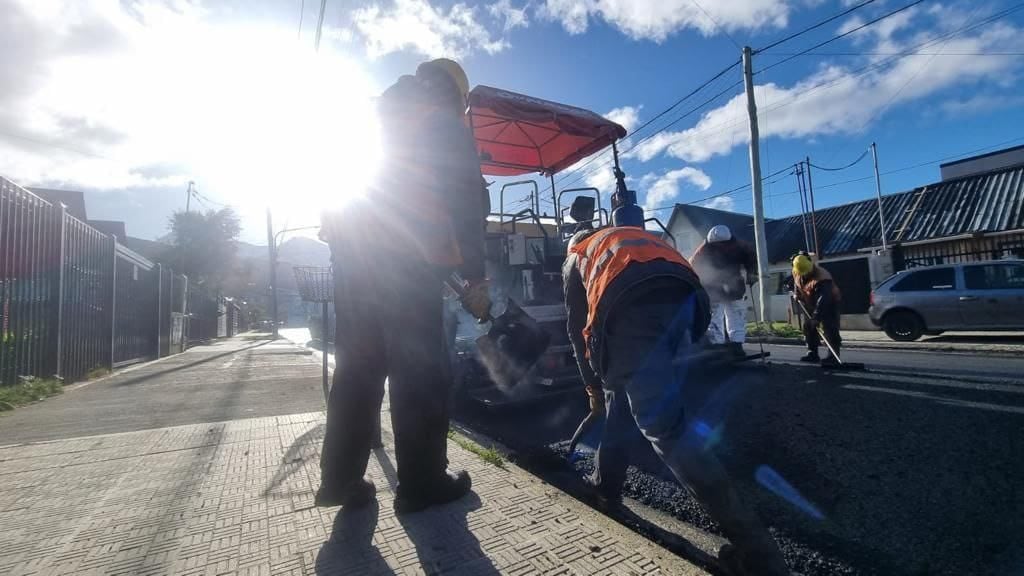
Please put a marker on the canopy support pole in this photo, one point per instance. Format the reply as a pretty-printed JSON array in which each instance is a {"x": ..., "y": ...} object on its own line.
[{"x": 554, "y": 201}]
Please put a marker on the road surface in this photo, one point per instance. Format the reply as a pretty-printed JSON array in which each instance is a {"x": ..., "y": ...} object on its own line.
[
  {"x": 949, "y": 364},
  {"x": 913, "y": 467}
]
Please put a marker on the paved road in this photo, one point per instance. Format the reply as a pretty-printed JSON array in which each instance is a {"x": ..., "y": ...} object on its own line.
[
  {"x": 225, "y": 380},
  {"x": 951, "y": 364},
  {"x": 912, "y": 470}
]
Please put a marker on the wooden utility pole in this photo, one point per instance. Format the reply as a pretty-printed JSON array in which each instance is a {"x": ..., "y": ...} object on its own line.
[
  {"x": 878, "y": 193},
  {"x": 755, "y": 176},
  {"x": 814, "y": 221}
]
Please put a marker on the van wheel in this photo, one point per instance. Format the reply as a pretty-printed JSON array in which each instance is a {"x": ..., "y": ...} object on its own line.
[{"x": 903, "y": 326}]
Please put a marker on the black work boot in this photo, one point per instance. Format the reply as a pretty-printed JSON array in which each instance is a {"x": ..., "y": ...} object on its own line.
[
  {"x": 830, "y": 361},
  {"x": 603, "y": 500},
  {"x": 811, "y": 356},
  {"x": 356, "y": 495},
  {"x": 451, "y": 487},
  {"x": 737, "y": 349}
]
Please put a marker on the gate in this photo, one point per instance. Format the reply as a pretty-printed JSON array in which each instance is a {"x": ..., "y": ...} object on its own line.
[{"x": 136, "y": 308}]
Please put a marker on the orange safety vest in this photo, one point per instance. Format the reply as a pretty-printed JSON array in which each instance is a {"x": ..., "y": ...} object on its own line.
[{"x": 604, "y": 255}]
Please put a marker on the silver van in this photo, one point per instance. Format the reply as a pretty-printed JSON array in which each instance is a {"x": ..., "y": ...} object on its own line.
[{"x": 932, "y": 299}]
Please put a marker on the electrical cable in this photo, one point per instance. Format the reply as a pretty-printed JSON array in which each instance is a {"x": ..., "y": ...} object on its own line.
[
  {"x": 850, "y": 165},
  {"x": 814, "y": 26},
  {"x": 655, "y": 118},
  {"x": 719, "y": 27},
  {"x": 839, "y": 36}
]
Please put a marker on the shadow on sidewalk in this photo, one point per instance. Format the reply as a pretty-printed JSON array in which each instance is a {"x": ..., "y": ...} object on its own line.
[{"x": 444, "y": 544}]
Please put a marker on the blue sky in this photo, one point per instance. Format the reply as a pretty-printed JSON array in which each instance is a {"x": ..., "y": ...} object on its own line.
[{"x": 131, "y": 100}]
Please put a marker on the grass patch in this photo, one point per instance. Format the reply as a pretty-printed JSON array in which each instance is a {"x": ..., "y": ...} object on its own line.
[
  {"x": 28, "y": 391},
  {"x": 777, "y": 329},
  {"x": 489, "y": 455},
  {"x": 97, "y": 372}
]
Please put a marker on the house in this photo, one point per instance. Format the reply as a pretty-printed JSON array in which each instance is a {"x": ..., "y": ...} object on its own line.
[{"x": 975, "y": 213}]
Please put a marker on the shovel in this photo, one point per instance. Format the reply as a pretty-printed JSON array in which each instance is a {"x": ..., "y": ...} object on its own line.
[
  {"x": 840, "y": 364},
  {"x": 513, "y": 344}
]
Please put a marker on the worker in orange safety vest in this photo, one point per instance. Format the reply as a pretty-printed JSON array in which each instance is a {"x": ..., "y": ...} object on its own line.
[{"x": 634, "y": 307}]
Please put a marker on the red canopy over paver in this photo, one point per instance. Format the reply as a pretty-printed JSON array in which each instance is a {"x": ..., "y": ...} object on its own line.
[{"x": 518, "y": 134}]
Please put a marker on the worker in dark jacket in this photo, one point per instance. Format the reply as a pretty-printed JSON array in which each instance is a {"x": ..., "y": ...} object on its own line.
[
  {"x": 721, "y": 262},
  {"x": 422, "y": 219},
  {"x": 815, "y": 289},
  {"x": 634, "y": 306}
]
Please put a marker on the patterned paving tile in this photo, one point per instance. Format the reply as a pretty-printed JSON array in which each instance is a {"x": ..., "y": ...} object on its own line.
[{"x": 236, "y": 498}]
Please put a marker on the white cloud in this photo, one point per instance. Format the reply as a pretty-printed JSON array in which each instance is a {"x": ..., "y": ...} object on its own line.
[
  {"x": 511, "y": 16},
  {"x": 841, "y": 100},
  {"x": 603, "y": 178},
  {"x": 665, "y": 187},
  {"x": 627, "y": 116},
  {"x": 726, "y": 203},
  {"x": 418, "y": 26},
  {"x": 658, "y": 19}
]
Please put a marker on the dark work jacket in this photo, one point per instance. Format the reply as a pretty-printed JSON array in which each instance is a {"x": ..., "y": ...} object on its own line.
[
  {"x": 429, "y": 194},
  {"x": 638, "y": 278},
  {"x": 720, "y": 266}
]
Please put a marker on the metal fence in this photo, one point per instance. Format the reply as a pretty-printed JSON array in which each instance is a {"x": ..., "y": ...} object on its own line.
[
  {"x": 73, "y": 299},
  {"x": 955, "y": 251}
]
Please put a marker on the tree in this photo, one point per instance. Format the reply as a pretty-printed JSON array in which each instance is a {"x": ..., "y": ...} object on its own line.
[{"x": 204, "y": 246}]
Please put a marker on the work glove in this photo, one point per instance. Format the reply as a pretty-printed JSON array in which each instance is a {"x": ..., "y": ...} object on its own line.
[
  {"x": 596, "y": 398},
  {"x": 477, "y": 300}
]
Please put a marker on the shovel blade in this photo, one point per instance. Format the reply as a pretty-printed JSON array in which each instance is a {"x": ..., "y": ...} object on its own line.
[{"x": 512, "y": 346}]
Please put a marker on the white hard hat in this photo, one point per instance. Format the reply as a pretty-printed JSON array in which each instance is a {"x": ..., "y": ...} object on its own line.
[{"x": 720, "y": 233}]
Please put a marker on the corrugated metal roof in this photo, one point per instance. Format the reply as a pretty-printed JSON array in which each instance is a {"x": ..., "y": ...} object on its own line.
[
  {"x": 980, "y": 203},
  {"x": 990, "y": 202}
]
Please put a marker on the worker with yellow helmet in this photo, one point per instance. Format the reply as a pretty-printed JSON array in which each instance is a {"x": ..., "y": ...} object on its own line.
[
  {"x": 815, "y": 289},
  {"x": 424, "y": 218}
]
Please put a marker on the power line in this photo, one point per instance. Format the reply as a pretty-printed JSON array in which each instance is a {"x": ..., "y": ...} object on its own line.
[
  {"x": 814, "y": 26},
  {"x": 826, "y": 54},
  {"x": 719, "y": 26},
  {"x": 850, "y": 165},
  {"x": 958, "y": 155},
  {"x": 648, "y": 137},
  {"x": 870, "y": 67},
  {"x": 843, "y": 35},
  {"x": 655, "y": 118}
]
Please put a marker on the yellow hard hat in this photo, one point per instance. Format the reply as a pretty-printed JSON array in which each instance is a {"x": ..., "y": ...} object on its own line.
[
  {"x": 802, "y": 265},
  {"x": 457, "y": 74}
]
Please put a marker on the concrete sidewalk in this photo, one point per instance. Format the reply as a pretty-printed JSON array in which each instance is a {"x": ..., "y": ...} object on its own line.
[{"x": 236, "y": 497}]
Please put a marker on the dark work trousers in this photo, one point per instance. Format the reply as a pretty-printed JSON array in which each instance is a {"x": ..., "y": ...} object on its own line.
[
  {"x": 389, "y": 326},
  {"x": 829, "y": 325},
  {"x": 646, "y": 350}
]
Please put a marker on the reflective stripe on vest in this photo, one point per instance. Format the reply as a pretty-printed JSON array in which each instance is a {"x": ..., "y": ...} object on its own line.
[{"x": 604, "y": 255}]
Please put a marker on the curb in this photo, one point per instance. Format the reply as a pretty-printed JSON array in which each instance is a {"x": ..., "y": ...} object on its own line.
[{"x": 896, "y": 346}]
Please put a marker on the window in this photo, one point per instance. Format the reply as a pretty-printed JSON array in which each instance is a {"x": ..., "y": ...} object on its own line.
[
  {"x": 935, "y": 279},
  {"x": 994, "y": 277}
]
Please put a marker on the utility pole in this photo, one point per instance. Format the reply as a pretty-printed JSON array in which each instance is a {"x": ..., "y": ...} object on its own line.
[
  {"x": 799, "y": 167},
  {"x": 272, "y": 251},
  {"x": 320, "y": 23},
  {"x": 188, "y": 196},
  {"x": 814, "y": 222},
  {"x": 878, "y": 193},
  {"x": 755, "y": 175}
]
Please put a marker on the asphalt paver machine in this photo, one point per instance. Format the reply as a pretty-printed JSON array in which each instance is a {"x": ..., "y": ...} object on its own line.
[{"x": 519, "y": 136}]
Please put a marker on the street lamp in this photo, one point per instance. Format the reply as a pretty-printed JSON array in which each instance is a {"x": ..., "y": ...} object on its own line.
[{"x": 272, "y": 246}]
